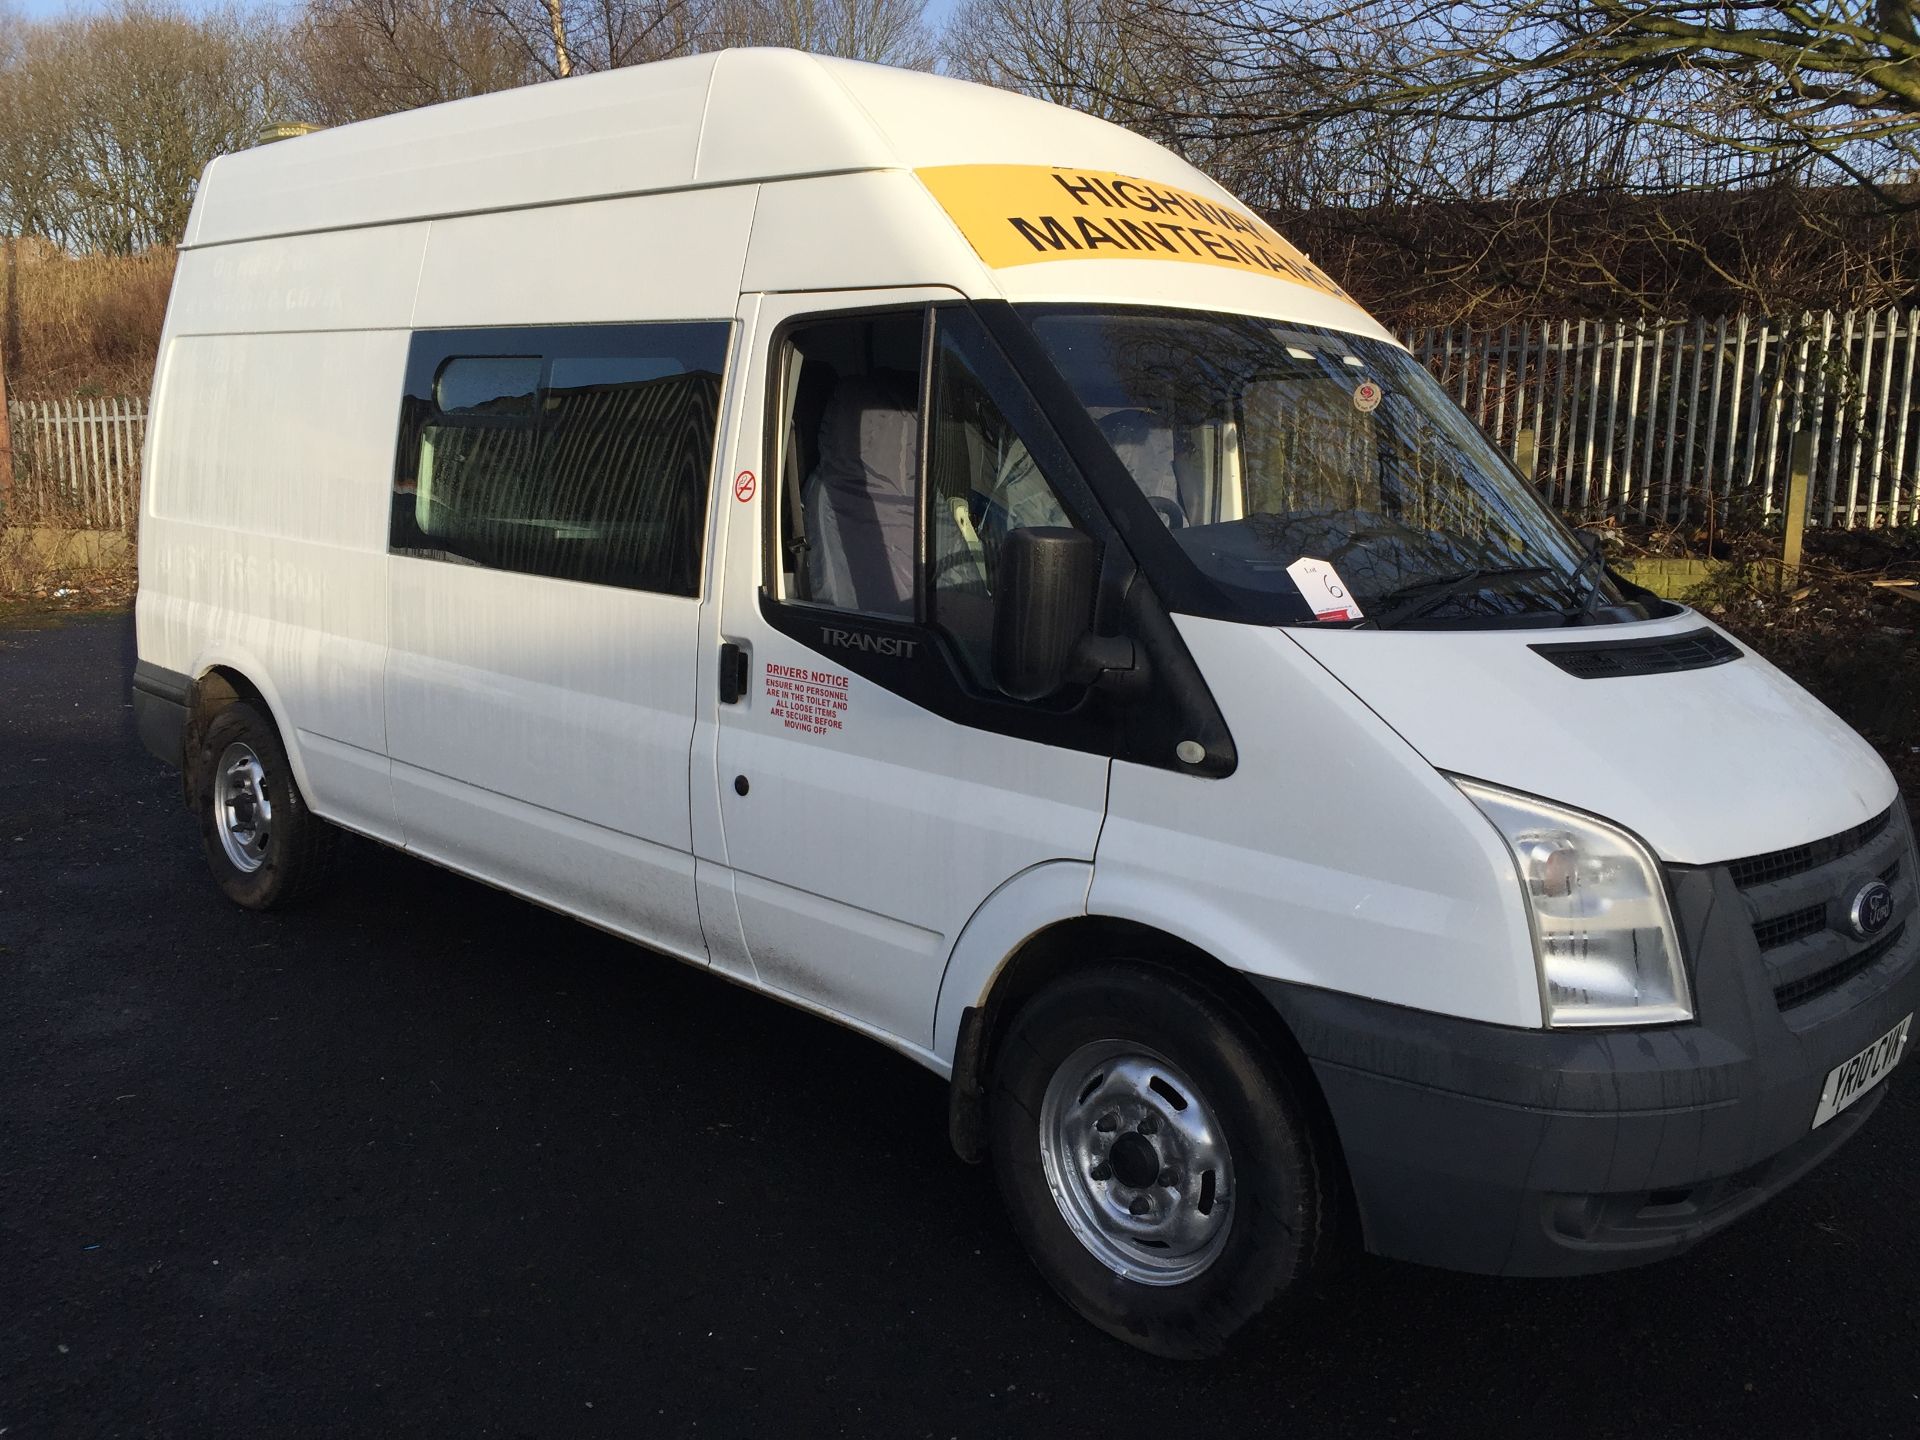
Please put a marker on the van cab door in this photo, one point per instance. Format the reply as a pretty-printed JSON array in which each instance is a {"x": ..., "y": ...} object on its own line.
[{"x": 869, "y": 785}]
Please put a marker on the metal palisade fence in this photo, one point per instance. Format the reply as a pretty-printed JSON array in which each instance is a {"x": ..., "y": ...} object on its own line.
[
  {"x": 76, "y": 463},
  {"x": 1677, "y": 421},
  {"x": 1644, "y": 420}
]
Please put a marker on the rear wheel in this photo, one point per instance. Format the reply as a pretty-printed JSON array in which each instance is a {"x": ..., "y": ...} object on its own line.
[
  {"x": 1157, "y": 1161},
  {"x": 264, "y": 846}
]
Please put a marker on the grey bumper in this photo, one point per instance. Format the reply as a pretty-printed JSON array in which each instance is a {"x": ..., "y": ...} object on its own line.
[
  {"x": 1532, "y": 1152},
  {"x": 160, "y": 711}
]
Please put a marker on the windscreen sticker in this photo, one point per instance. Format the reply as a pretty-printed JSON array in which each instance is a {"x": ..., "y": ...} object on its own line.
[
  {"x": 1020, "y": 214},
  {"x": 810, "y": 701},
  {"x": 1324, "y": 590},
  {"x": 1366, "y": 397}
]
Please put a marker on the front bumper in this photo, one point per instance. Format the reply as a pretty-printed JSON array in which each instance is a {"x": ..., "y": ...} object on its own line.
[{"x": 1534, "y": 1152}]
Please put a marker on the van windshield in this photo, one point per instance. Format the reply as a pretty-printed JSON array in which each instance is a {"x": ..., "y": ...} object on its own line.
[{"x": 1261, "y": 445}]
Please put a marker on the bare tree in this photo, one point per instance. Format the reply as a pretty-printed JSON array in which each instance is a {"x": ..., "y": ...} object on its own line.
[
  {"x": 1134, "y": 62},
  {"x": 1099, "y": 56},
  {"x": 1647, "y": 94},
  {"x": 887, "y": 32},
  {"x": 110, "y": 118},
  {"x": 558, "y": 38},
  {"x": 354, "y": 59}
]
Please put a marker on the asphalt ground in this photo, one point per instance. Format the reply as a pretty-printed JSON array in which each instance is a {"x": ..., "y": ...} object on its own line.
[{"x": 424, "y": 1159}]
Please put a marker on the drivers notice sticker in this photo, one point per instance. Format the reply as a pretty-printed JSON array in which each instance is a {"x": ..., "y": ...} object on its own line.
[
  {"x": 1320, "y": 583},
  {"x": 810, "y": 701}
]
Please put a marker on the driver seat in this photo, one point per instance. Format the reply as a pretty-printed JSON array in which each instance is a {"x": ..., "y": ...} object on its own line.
[
  {"x": 860, "y": 498},
  {"x": 1145, "y": 447}
]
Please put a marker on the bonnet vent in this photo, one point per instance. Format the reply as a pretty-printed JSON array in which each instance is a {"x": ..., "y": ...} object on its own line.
[{"x": 1605, "y": 659}]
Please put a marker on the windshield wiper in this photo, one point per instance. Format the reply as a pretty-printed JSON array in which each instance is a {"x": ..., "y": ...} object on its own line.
[
  {"x": 1425, "y": 595},
  {"x": 1579, "y": 606}
]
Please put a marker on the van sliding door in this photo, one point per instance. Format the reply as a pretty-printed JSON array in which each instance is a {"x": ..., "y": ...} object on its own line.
[{"x": 548, "y": 532}]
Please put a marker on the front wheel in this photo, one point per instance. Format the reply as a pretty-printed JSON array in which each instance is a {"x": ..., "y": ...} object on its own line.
[
  {"x": 1157, "y": 1161},
  {"x": 264, "y": 846}
]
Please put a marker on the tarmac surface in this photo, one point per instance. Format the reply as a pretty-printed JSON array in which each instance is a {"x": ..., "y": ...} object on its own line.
[{"x": 422, "y": 1159}]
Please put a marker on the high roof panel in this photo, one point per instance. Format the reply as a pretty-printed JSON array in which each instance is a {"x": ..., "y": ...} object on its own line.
[{"x": 732, "y": 117}]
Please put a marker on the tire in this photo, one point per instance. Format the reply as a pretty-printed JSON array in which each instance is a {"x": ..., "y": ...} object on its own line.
[
  {"x": 1130, "y": 1070},
  {"x": 261, "y": 860}
]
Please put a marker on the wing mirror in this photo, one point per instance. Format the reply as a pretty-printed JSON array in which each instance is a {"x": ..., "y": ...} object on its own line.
[{"x": 1043, "y": 636}]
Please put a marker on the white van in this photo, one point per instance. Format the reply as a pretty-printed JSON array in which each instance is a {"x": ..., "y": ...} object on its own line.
[{"x": 940, "y": 560}]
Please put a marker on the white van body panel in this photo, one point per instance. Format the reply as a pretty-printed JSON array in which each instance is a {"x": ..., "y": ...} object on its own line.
[
  {"x": 1036, "y": 899},
  {"x": 1699, "y": 764},
  {"x": 1332, "y": 857},
  {"x": 880, "y": 229},
  {"x": 696, "y": 122},
  {"x": 596, "y": 135},
  {"x": 263, "y": 533},
  {"x": 820, "y": 131},
  {"x": 341, "y": 280},
  {"x": 651, "y": 257},
  {"x": 518, "y": 703}
]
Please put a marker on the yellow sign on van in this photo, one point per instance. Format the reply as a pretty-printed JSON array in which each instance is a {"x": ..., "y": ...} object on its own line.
[{"x": 1022, "y": 214}]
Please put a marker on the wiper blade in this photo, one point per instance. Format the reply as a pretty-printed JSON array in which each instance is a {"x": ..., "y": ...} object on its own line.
[
  {"x": 1579, "y": 605},
  {"x": 1425, "y": 595}
]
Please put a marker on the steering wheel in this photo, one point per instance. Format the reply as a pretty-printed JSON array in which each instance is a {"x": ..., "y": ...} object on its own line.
[{"x": 1169, "y": 511}]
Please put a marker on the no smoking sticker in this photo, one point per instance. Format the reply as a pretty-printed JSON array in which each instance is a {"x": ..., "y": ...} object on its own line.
[
  {"x": 744, "y": 485},
  {"x": 1366, "y": 397}
]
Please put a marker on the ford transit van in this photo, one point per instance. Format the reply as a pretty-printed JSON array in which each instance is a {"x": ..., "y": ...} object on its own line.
[{"x": 942, "y": 561}]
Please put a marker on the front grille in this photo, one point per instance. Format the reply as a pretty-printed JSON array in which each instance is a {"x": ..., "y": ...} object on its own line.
[
  {"x": 1796, "y": 925},
  {"x": 1797, "y": 859},
  {"x": 1812, "y": 987},
  {"x": 1607, "y": 659},
  {"x": 1796, "y": 901},
  {"x": 1807, "y": 920}
]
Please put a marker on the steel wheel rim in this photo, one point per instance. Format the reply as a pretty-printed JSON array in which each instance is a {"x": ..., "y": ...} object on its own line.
[
  {"x": 1112, "y": 1112},
  {"x": 242, "y": 811}
]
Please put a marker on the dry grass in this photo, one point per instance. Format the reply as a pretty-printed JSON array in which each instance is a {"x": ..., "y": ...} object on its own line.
[
  {"x": 73, "y": 569},
  {"x": 86, "y": 326}
]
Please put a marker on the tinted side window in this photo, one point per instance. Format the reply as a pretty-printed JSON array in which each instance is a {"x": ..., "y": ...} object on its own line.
[
  {"x": 849, "y": 462},
  {"x": 580, "y": 453}
]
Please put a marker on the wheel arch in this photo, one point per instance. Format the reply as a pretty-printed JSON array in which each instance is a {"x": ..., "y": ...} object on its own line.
[
  {"x": 219, "y": 683},
  {"x": 1077, "y": 942}
]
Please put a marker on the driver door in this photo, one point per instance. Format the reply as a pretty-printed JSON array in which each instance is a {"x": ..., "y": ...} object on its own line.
[{"x": 869, "y": 786}]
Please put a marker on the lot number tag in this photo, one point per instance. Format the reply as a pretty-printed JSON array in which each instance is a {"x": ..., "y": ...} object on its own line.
[{"x": 1320, "y": 583}]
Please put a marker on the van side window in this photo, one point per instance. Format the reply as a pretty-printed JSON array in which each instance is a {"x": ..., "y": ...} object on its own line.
[
  {"x": 985, "y": 484},
  {"x": 590, "y": 460},
  {"x": 849, "y": 462}
]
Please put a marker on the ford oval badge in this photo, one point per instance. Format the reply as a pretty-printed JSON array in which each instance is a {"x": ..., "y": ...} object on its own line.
[{"x": 1872, "y": 908}]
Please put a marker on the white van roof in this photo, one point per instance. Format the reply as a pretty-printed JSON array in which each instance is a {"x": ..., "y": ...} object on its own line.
[{"x": 727, "y": 118}]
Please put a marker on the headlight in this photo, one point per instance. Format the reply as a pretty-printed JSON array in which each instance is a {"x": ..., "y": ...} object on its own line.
[{"x": 1603, "y": 934}]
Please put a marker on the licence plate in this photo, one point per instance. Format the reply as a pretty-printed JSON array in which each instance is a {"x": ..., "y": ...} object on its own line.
[{"x": 1851, "y": 1079}]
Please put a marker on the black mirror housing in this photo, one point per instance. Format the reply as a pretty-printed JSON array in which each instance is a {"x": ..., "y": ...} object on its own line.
[{"x": 1045, "y": 595}]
